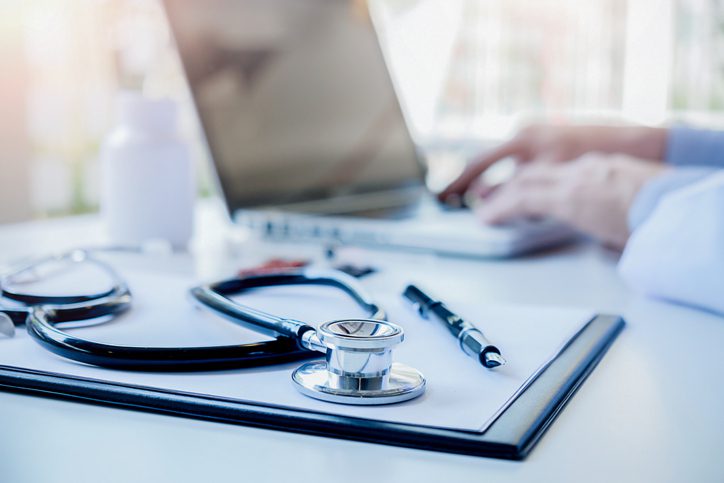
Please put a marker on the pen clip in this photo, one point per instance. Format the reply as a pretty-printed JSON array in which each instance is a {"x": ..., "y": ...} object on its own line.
[
  {"x": 419, "y": 300},
  {"x": 417, "y": 307}
]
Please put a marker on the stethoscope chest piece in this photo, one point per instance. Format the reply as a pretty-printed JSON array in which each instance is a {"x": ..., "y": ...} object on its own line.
[{"x": 358, "y": 368}]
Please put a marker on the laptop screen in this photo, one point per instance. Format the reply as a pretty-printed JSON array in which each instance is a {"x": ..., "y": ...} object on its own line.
[{"x": 295, "y": 99}]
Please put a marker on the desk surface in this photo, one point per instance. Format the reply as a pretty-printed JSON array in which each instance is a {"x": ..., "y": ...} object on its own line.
[{"x": 643, "y": 415}]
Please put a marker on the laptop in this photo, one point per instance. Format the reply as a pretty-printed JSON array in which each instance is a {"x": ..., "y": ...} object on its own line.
[{"x": 307, "y": 134}]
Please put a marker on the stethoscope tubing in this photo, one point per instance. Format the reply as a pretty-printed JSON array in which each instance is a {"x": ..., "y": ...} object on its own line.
[
  {"x": 165, "y": 359},
  {"x": 40, "y": 322},
  {"x": 41, "y": 315},
  {"x": 216, "y": 298}
]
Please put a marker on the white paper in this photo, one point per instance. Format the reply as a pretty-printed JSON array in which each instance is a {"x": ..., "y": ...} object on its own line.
[{"x": 460, "y": 393}]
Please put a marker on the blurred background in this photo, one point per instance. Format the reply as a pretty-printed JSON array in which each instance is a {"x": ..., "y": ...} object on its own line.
[{"x": 468, "y": 71}]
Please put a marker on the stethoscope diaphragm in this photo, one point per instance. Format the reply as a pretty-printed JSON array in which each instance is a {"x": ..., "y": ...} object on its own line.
[{"x": 358, "y": 368}]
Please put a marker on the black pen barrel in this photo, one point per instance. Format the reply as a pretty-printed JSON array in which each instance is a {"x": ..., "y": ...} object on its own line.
[{"x": 472, "y": 341}]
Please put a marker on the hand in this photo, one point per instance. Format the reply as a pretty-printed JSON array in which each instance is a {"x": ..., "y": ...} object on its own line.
[
  {"x": 541, "y": 143},
  {"x": 593, "y": 194}
]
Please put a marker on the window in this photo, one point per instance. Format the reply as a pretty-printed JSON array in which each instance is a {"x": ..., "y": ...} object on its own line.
[{"x": 466, "y": 69}]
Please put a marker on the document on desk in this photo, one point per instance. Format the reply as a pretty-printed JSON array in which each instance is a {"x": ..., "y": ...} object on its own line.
[{"x": 461, "y": 394}]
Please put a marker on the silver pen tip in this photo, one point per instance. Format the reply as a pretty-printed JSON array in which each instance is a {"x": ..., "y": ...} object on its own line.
[{"x": 493, "y": 359}]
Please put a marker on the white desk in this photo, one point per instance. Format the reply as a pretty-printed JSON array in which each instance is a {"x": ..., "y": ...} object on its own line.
[{"x": 645, "y": 414}]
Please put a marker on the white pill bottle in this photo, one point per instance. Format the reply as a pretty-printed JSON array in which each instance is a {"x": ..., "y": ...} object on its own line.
[{"x": 148, "y": 187}]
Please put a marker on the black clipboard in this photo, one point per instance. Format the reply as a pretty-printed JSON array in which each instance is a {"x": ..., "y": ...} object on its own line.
[{"x": 512, "y": 435}]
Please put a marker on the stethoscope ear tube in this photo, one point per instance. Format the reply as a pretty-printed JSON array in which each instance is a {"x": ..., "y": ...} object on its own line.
[{"x": 66, "y": 301}]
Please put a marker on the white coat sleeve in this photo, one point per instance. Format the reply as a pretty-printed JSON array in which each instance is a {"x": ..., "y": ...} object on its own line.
[{"x": 677, "y": 251}]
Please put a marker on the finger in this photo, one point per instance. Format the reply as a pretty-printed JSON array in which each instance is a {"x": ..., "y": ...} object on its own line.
[
  {"x": 524, "y": 175},
  {"x": 481, "y": 189},
  {"x": 517, "y": 204},
  {"x": 530, "y": 194},
  {"x": 538, "y": 173},
  {"x": 476, "y": 168},
  {"x": 478, "y": 193}
]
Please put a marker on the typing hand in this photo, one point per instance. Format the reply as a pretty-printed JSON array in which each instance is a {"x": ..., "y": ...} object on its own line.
[
  {"x": 593, "y": 194},
  {"x": 555, "y": 144}
]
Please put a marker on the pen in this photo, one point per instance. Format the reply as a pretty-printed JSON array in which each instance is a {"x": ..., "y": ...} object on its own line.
[{"x": 472, "y": 341}]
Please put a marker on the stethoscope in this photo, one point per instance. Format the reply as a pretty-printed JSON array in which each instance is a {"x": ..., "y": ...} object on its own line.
[{"x": 357, "y": 369}]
